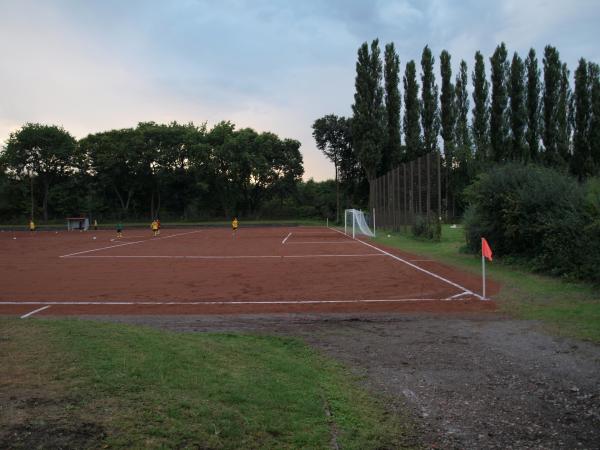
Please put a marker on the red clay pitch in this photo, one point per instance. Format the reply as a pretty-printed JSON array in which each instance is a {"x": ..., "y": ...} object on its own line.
[{"x": 208, "y": 271}]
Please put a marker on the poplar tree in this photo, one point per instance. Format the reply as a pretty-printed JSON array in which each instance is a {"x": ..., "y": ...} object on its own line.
[
  {"x": 481, "y": 111},
  {"x": 580, "y": 162},
  {"x": 461, "y": 108},
  {"x": 429, "y": 103},
  {"x": 518, "y": 112},
  {"x": 594, "y": 130},
  {"x": 533, "y": 106},
  {"x": 463, "y": 170},
  {"x": 392, "y": 151},
  {"x": 367, "y": 122},
  {"x": 412, "y": 111},
  {"x": 563, "y": 136},
  {"x": 552, "y": 78},
  {"x": 498, "y": 112},
  {"x": 447, "y": 107}
]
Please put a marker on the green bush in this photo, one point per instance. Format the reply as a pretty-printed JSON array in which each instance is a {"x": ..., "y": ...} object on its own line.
[
  {"x": 427, "y": 229},
  {"x": 537, "y": 215}
]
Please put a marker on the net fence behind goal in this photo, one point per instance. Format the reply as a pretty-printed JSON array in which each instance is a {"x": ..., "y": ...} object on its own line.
[{"x": 357, "y": 222}]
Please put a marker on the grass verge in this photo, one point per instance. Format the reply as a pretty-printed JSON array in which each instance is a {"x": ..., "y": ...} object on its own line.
[
  {"x": 80, "y": 384},
  {"x": 567, "y": 308}
]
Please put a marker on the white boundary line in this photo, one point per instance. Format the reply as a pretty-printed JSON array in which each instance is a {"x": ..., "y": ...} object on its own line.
[
  {"x": 286, "y": 238},
  {"x": 25, "y": 316},
  {"x": 324, "y": 242},
  {"x": 352, "y": 255},
  {"x": 128, "y": 243},
  {"x": 414, "y": 266},
  {"x": 249, "y": 302}
]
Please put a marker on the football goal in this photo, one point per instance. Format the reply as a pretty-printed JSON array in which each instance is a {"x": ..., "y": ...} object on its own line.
[
  {"x": 78, "y": 223},
  {"x": 357, "y": 222}
]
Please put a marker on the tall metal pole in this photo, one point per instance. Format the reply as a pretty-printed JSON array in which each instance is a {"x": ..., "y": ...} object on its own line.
[
  {"x": 346, "y": 222},
  {"x": 31, "y": 190}
]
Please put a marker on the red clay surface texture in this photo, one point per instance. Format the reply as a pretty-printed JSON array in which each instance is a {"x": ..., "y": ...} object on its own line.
[{"x": 205, "y": 271}]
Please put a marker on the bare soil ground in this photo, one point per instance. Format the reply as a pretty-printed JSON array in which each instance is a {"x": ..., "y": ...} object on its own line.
[{"x": 471, "y": 380}]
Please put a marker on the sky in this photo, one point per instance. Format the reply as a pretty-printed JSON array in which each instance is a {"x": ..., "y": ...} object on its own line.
[{"x": 271, "y": 65}]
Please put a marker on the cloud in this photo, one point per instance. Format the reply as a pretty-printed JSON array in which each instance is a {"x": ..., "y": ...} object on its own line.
[{"x": 272, "y": 65}]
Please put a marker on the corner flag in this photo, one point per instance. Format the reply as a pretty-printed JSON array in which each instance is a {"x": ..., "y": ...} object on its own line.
[{"x": 486, "y": 252}]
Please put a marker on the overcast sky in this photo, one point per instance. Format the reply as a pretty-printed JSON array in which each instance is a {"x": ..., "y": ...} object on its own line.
[{"x": 271, "y": 65}]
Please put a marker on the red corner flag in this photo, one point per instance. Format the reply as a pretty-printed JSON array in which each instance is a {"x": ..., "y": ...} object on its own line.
[{"x": 485, "y": 249}]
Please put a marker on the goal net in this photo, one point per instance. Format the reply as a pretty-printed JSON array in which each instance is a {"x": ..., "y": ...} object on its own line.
[{"x": 356, "y": 222}]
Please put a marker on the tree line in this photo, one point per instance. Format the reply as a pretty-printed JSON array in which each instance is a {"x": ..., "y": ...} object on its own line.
[
  {"x": 525, "y": 111},
  {"x": 171, "y": 171}
]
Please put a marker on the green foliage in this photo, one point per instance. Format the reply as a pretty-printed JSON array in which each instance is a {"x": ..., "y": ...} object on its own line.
[
  {"x": 392, "y": 151},
  {"x": 171, "y": 170},
  {"x": 537, "y": 215},
  {"x": 533, "y": 107},
  {"x": 481, "y": 109},
  {"x": 447, "y": 106},
  {"x": 425, "y": 228},
  {"x": 498, "y": 109},
  {"x": 552, "y": 81},
  {"x": 518, "y": 112},
  {"x": 46, "y": 153},
  {"x": 581, "y": 160},
  {"x": 368, "y": 109},
  {"x": 412, "y": 113},
  {"x": 430, "y": 120}
]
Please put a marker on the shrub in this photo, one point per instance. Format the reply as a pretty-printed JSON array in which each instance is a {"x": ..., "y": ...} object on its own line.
[
  {"x": 427, "y": 229},
  {"x": 538, "y": 215}
]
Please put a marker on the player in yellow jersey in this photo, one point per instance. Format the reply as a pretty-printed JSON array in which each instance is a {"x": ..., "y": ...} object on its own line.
[
  {"x": 154, "y": 226},
  {"x": 234, "y": 226},
  {"x": 31, "y": 225}
]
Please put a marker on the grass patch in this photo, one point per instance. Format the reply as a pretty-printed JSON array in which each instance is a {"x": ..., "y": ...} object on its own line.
[
  {"x": 134, "y": 387},
  {"x": 567, "y": 308}
]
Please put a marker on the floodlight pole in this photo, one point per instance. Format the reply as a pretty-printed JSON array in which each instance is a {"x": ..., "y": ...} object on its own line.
[
  {"x": 31, "y": 190},
  {"x": 346, "y": 222}
]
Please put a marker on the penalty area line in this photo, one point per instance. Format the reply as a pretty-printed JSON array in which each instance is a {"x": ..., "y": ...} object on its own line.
[
  {"x": 351, "y": 255},
  {"x": 25, "y": 316},
  {"x": 70, "y": 255}
]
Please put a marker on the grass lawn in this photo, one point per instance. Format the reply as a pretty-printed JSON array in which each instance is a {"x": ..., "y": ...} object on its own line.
[
  {"x": 568, "y": 308},
  {"x": 81, "y": 384}
]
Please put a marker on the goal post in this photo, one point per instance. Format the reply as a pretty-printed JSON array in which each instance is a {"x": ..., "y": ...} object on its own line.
[{"x": 355, "y": 221}]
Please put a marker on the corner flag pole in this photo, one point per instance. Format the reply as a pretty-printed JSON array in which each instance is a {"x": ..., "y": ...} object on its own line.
[
  {"x": 483, "y": 273},
  {"x": 486, "y": 252}
]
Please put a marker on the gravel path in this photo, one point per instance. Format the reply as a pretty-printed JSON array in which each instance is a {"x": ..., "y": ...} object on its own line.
[{"x": 472, "y": 381}]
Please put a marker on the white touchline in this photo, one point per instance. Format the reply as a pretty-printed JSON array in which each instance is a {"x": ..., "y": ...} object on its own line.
[
  {"x": 249, "y": 302},
  {"x": 354, "y": 255},
  {"x": 128, "y": 243},
  {"x": 286, "y": 238},
  {"x": 24, "y": 316},
  {"x": 414, "y": 266}
]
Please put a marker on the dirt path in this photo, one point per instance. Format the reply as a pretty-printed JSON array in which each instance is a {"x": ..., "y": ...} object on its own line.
[{"x": 472, "y": 381}]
